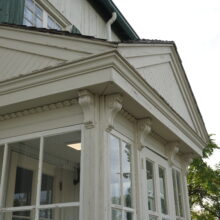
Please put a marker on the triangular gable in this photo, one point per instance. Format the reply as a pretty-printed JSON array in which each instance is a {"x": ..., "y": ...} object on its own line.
[{"x": 160, "y": 66}]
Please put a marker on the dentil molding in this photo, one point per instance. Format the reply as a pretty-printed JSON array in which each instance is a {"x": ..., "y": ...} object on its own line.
[{"x": 38, "y": 109}]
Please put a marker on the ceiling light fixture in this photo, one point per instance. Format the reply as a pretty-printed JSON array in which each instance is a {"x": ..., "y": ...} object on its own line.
[{"x": 76, "y": 146}]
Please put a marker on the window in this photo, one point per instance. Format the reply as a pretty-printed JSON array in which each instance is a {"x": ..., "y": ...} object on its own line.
[
  {"x": 155, "y": 186},
  {"x": 178, "y": 195},
  {"x": 34, "y": 15},
  {"x": 41, "y": 179},
  {"x": 121, "y": 179}
]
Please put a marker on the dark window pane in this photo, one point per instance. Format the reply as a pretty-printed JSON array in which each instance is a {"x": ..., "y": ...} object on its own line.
[
  {"x": 23, "y": 190},
  {"x": 116, "y": 214}
]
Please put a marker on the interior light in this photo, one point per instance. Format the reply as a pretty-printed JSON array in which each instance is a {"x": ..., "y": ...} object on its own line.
[{"x": 76, "y": 146}]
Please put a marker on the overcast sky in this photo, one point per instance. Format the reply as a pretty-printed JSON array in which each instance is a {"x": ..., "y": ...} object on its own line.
[{"x": 194, "y": 25}]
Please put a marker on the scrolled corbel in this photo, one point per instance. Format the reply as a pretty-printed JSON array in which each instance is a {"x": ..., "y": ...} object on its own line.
[
  {"x": 113, "y": 104},
  {"x": 87, "y": 103},
  {"x": 172, "y": 149},
  {"x": 144, "y": 129},
  {"x": 187, "y": 159}
]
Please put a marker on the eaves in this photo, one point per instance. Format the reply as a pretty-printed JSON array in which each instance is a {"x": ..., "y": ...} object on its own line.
[{"x": 105, "y": 67}]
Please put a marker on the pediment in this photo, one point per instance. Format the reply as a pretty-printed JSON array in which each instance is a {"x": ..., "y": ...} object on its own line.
[{"x": 161, "y": 68}]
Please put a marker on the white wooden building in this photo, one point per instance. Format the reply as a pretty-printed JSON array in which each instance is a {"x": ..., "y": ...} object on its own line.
[{"x": 95, "y": 124}]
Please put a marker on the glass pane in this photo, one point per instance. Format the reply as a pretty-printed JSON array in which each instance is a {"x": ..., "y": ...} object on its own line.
[
  {"x": 46, "y": 195},
  {"x": 39, "y": 23},
  {"x": 115, "y": 170},
  {"x": 38, "y": 12},
  {"x": 116, "y": 214},
  {"x": 115, "y": 154},
  {"x": 61, "y": 168},
  {"x": 163, "y": 199},
  {"x": 150, "y": 186},
  {"x": 126, "y": 158},
  {"x": 29, "y": 4},
  {"x": 128, "y": 216},
  {"x": 9, "y": 216},
  {"x": 179, "y": 193},
  {"x": 22, "y": 177},
  {"x": 28, "y": 15},
  {"x": 152, "y": 217},
  {"x": 126, "y": 169},
  {"x": 67, "y": 213},
  {"x": 27, "y": 23},
  {"x": 127, "y": 190}
]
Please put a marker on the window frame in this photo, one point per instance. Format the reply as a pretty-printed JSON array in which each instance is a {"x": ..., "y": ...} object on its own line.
[
  {"x": 121, "y": 207},
  {"x": 158, "y": 162},
  {"x": 52, "y": 12},
  {"x": 176, "y": 170},
  {"x": 41, "y": 135}
]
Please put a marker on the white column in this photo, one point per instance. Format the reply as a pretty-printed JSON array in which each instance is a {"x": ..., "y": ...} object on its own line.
[{"x": 99, "y": 113}]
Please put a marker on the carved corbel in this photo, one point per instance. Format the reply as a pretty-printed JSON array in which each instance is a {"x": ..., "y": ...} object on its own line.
[
  {"x": 144, "y": 129},
  {"x": 87, "y": 102},
  {"x": 187, "y": 160},
  {"x": 113, "y": 104},
  {"x": 172, "y": 149}
]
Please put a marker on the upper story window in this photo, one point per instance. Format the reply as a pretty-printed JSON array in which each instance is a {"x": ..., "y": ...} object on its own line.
[
  {"x": 121, "y": 179},
  {"x": 35, "y": 15}
]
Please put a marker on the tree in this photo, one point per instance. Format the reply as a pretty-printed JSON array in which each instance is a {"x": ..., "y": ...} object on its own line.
[{"x": 204, "y": 186}]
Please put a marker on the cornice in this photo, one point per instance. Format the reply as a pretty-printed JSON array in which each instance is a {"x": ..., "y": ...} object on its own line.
[
  {"x": 39, "y": 109},
  {"x": 112, "y": 59}
]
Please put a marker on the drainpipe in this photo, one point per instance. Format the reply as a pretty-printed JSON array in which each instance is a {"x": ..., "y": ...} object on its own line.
[{"x": 108, "y": 25}]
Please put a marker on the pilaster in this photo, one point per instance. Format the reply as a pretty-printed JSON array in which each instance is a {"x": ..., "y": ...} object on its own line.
[{"x": 99, "y": 114}]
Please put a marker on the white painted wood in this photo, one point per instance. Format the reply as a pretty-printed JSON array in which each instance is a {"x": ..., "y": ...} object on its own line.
[
  {"x": 83, "y": 16},
  {"x": 3, "y": 175}
]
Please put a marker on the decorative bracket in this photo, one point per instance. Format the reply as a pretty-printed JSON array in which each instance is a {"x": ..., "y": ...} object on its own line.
[
  {"x": 187, "y": 160},
  {"x": 113, "y": 104},
  {"x": 144, "y": 129},
  {"x": 172, "y": 150},
  {"x": 87, "y": 102}
]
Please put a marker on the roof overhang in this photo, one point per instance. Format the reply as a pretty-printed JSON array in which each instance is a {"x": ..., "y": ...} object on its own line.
[{"x": 103, "y": 74}]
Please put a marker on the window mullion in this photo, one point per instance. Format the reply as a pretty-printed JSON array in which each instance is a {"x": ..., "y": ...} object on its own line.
[
  {"x": 177, "y": 194},
  {"x": 3, "y": 177},
  {"x": 39, "y": 177}
]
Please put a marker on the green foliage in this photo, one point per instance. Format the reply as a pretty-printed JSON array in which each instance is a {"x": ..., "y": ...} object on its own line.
[{"x": 204, "y": 186}]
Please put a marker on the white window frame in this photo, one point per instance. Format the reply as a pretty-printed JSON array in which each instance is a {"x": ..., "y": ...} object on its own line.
[
  {"x": 158, "y": 162},
  {"x": 121, "y": 207},
  {"x": 42, "y": 135},
  {"x": 178, "y": 217},
  {"x": 50, "y": 10}
]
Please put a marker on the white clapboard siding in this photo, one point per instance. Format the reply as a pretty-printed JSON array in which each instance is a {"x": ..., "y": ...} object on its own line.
[
  {"x": 14, "y": 63},
  {"x": 155, "y": 66},
  {"x": 83, "y": 16}
]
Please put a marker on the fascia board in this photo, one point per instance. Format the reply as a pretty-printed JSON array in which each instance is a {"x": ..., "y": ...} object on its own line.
[
  {"x": 190, "y": 98},
  {"x": 77, "y": 71}
]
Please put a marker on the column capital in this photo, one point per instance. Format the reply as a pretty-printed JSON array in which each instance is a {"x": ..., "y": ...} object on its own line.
[
  {"x": 87, "y": 103},
  {"x": 144, "y": 129},
  {"x": 113, "y": 104}
]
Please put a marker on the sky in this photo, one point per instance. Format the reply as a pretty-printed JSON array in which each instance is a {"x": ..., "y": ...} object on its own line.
[{"x": 194, "y": 25}]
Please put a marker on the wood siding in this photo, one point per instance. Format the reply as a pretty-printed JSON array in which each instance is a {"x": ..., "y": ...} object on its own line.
[
  {"x": 156, "y": 66},
  {"x": 83, "y": 16}
]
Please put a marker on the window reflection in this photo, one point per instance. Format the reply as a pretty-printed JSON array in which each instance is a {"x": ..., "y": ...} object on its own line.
[
  {"x": 163, "y": 199},
  {"x": 150, "y": 186}
]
